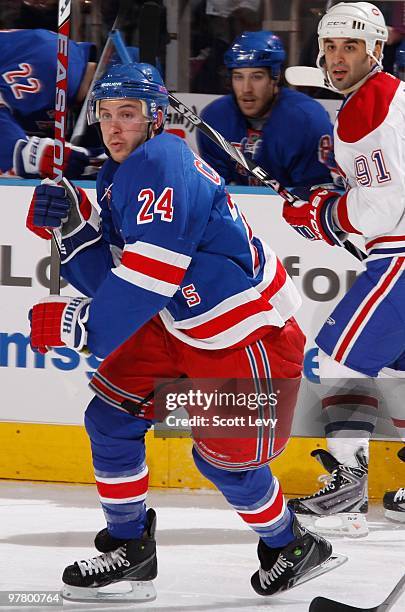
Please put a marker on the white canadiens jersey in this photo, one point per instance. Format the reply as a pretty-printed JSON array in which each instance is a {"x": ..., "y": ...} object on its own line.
[{"x": 370, "y": 151}]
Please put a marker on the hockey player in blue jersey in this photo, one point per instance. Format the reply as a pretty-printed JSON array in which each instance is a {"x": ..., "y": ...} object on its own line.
[
  {"x": 177, "y": 287},
  {"x": 27, "y": 101},
  {"x": 286, "y": 132}
]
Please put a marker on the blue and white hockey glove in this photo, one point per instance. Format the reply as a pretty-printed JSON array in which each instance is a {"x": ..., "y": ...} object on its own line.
[
  {"x": 66, "y": 210},
  {"x": 313, "y": 219},
  {"x": 34, "y": 157},
  {"x": 59, "y": 321}
]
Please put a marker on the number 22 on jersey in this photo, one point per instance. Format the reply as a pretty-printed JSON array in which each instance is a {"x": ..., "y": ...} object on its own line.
[{"x": 31, "y": 86}]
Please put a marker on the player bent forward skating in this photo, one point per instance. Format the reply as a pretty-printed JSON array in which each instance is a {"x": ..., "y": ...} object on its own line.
[{"x": 178, "y": 286}]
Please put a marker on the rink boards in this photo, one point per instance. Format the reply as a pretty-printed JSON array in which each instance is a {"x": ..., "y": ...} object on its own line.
[{"x": 44, "y": 397}]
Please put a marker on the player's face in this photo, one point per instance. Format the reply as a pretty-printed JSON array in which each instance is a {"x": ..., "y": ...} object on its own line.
[
  {"x": 254, "y": 90},
  {"x": 346, "y": 61},
  {"x": 123, "y": 126}
]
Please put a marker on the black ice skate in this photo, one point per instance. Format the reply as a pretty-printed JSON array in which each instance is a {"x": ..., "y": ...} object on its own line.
[
  {"x": 394, "y": 504},
  {"x": 394, "y": 501},
  {"x": 344, "y": 498},
  {"x": 134, "y": 562},
  {"x": 307, "y": 557}
]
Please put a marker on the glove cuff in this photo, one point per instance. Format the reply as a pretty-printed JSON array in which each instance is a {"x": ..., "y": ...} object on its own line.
[
  {"x": 73, "y": 323},
  {"x": 328, "y": 224}
]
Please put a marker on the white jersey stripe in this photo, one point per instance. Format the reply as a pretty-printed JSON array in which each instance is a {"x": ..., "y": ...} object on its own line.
[
  {"x": 159, "y": 253},
  {"x": 145, "y": 282}
]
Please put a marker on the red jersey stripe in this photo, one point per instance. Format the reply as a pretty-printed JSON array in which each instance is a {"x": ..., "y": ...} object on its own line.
[
  {"x": 367, "y": 307},
  {"x": 384, "y": 239},
  {"x": 153, "y": 268},
  {"x": 228, "y": 319}
]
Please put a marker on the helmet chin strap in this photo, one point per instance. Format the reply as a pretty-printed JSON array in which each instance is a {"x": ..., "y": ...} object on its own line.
[{"x": 376, "y": 68}]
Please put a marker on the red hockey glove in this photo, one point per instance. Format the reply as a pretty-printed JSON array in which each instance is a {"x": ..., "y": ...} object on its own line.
[
  {"x": 313, "y": 219},
  {"x": 34, "y": 157},
  {"x": 59, "y": 321}
]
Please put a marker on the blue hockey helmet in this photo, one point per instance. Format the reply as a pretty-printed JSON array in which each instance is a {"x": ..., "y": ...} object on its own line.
[
  {"x": 256, "y": 50},
  {"x": 137, "y": 81}
]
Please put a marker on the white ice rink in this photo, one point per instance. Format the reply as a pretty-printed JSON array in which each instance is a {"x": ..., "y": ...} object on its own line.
[{"x": 205, "y": 553}]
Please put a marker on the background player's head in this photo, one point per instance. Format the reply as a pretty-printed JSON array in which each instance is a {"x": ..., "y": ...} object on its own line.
[
  {"x": 130, "y": 103},
  {"x": 255, "y": 60},
  {"x": 351, "y": 39}
]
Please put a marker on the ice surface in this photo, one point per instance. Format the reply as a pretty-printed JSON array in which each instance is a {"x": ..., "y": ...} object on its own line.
[{"x": 206, "y": 554}]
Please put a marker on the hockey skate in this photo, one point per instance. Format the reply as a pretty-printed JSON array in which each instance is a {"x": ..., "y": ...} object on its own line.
[
  {"x": 134, "y": 562},
  {"x": 338, "y": 508},
  {"x": 307, "y": 557},
  {"x": 394, "y": 505},
  {"x": 394, "y": 501}
]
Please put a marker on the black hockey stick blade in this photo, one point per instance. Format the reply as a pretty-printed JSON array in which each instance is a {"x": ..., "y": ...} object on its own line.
[
  {"x": 322, "y": 604},
  {"x": 249, "y": 164},
  {"x": 149, "y": 31}
]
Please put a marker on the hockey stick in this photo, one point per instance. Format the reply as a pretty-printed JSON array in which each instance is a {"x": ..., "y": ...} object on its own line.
[
  {"x": 81, "y": 122},
  {"x": 306, "y": 76},
  {"x": 250, "y": 165},
  {"x": 62, "y": 60},
  {"x": 219, "y": 140},
  {"x": 322, "y": 604}
]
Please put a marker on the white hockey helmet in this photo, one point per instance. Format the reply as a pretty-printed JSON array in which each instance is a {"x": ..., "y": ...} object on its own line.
[{"x": 361, "y": 20}]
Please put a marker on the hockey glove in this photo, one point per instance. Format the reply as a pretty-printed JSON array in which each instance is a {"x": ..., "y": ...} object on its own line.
[
  {"x": 313, "y": 219},
  {"x": 59, "y": 321},
  {"x": 69, "y": 212},
  {"x": 34, "y": 157}
]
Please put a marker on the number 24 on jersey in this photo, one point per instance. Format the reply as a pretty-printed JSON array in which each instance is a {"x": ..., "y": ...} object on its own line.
[{"x": 152, "y": 205}]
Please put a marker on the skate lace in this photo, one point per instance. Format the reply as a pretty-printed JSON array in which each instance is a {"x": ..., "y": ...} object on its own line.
[
  {"x": 400, "y": 495},
  {"x": 105, "y": 562},
  {"x": 329, "y": 480},
  {"x": 266, "y": 577}
]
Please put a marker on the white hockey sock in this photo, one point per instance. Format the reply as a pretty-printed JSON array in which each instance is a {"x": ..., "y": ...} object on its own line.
[{"x": 344, "y": 449}]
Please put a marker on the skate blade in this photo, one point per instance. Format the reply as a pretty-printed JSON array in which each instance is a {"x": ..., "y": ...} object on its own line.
[
  {"x": 348, "y": 524},
  {"x": 393, "y": 515},
  {"x": 140, "y": 592},
  {"x": 334, "y": 561}
]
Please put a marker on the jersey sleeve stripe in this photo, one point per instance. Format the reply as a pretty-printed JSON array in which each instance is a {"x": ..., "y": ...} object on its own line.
[
  {"x": 145, "y": 282},
  {"x": 153, "y": 268},
  {"x": 383, "y": 239},
  {"x": 159, "y": 253}
]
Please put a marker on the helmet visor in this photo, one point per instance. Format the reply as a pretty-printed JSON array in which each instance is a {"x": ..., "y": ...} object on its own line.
[{"x": 128, "y": 111}]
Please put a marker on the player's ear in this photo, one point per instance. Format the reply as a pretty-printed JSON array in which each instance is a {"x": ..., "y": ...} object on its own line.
[
  {"x": 158, "y": 123},
  {"x": 378, "y": 49}
]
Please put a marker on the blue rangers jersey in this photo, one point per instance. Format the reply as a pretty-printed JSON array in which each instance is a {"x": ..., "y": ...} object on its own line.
[
  {"x": 175, "y": 244},
  {"x": 27, "y": 85},
  {"x": 295, "y": 144}
]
